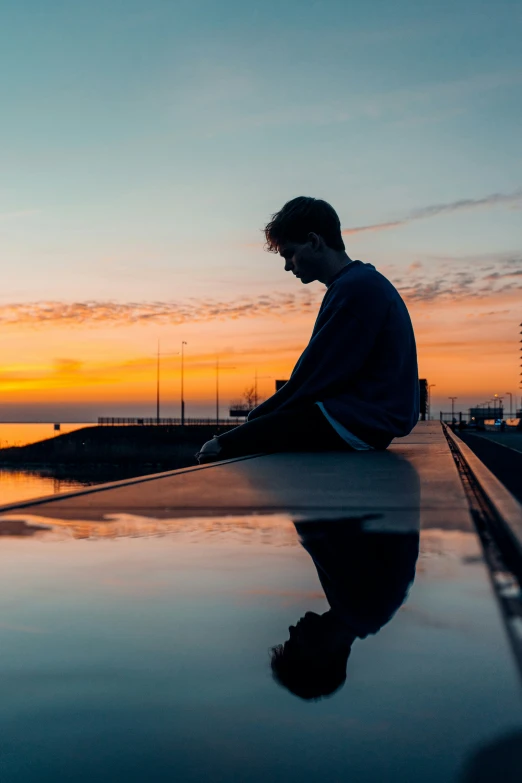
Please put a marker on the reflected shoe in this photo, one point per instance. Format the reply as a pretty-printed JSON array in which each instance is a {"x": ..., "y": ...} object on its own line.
[{"x": 209, "y": 452}]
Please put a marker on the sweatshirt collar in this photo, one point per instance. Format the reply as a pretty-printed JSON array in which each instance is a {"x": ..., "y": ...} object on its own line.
[{"x": 343, "y": 271}]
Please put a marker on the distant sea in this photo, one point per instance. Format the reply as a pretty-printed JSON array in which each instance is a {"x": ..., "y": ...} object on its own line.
[{"x": 18, "y": 484}]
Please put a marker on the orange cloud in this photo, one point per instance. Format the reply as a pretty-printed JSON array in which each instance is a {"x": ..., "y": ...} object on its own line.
[
  {"x": 95, "y": 313},
  {"x": 452, "y": 281},
  {"x": 465, "y": 313}
]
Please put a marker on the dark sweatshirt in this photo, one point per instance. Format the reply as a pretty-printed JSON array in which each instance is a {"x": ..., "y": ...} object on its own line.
[
  {"x": 361, "y": 361},
  {"x": 365, "y": 576}
]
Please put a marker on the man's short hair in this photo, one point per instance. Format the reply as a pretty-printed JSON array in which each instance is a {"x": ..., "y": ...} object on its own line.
[
  {"x": 312, "y": 680},
  {"x": 298, "y": 218}
]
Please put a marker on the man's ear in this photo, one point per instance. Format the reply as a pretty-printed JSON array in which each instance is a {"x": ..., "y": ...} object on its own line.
[{"x": 315, "y": 240}]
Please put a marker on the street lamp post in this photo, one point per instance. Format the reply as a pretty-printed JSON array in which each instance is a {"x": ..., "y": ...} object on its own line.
[
  {"x": 218, "y": 368},
  {"x": 158, "y": 358},
  {"x": 158, "y": 386},
  {"x": 217, "y": 391},
  {"x": 429, "y": 399},
  {"x": 256, "y": 379},
  {"x": 452, "y": 406},
  {"x": 183, "y": 343},
  {"x": 510, "y": 404}
]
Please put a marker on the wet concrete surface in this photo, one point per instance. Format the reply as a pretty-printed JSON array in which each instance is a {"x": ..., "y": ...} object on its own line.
[{"x": 138, "y": 625}]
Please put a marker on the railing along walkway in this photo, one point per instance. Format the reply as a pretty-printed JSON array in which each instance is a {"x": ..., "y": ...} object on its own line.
[{"x": 151, "y": 421}]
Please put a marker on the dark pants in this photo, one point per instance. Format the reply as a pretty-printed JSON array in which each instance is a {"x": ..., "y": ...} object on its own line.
[{"x": 297, "y": 429}]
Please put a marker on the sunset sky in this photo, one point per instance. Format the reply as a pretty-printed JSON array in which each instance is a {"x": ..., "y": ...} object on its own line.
[{"x": 145, "y": 144}]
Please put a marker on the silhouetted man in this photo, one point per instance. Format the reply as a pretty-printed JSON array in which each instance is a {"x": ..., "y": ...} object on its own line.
[
  {"x": 365, "y": 577},
  {"x": 356, "y": 384}
]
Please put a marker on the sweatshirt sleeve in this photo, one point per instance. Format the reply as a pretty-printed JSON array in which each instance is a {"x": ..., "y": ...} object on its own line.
[{"x": 343, "y": 338}]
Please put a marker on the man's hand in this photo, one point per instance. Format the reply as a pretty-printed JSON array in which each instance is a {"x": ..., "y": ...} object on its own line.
[{"x": 210, "y": 451}]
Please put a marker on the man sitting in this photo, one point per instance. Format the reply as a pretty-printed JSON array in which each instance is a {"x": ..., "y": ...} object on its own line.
[{"x": 356, "y": 385}]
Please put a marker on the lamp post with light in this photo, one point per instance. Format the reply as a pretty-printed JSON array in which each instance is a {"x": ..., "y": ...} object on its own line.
[
  {"x": 183, "y": 343},
  {"x": 158, "y": 357},
  {"x": 430, "y": 387},
  {"x": 510, "y": 404},
  {"x": 218, "y": 368},
  {"x": 158, "y": 386},
  {"x": 452, "y": 406},
  {"x": 256, "y": 379}
]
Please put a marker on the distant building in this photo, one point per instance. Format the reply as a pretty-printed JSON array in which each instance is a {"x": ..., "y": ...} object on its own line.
[
  {"x": 240, "y": 410},
  {"x": 424, "y": 402},
  {"x": 480, "y": 414}
]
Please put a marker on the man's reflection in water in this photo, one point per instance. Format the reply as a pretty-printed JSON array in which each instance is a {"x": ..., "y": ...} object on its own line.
[{"x": 366, "y": 577}]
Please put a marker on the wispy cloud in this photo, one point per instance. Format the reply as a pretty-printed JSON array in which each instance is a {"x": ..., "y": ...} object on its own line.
[
  {"x": 128, "y": 313},
  {"x": 450, "y": 281},
  {"x": 231, "y": 101},
  {"x": 457, "y": 280},
  {"x": 500, "y": 275},
  {"x": 493, "y": 313},
  {"x": 20, "y": 213},
  {"x": 375, "y": 227},
  {"x": 493, "y": 200}
]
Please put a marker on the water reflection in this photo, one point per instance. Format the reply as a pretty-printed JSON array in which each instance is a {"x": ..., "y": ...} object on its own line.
[
  {"x": 19, "y": 527},
  {"x": 26, "y": 483},
  {"x": 18, "y": 485},
  {"x": 366, "y": 577}
]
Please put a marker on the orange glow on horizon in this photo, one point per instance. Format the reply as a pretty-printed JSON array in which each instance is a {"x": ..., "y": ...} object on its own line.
[{"x": 465, "y": 348}]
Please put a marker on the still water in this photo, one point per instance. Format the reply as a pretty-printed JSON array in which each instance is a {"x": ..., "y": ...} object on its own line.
[
  {"x": 136, "y": 649},
  {"x": 17, "y": 483}
]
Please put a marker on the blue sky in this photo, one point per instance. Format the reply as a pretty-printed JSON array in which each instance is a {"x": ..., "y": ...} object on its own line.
[{"x": 144, "y": 144}]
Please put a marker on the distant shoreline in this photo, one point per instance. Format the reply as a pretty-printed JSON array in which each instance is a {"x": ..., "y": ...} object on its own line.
[
  {"x": 50, "y": 422},
  {"x": 169, "y": 446}
]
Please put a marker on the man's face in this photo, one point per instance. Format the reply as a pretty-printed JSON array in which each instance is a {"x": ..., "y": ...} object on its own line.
[
  {"x": 310, "y": 638},
  {"x": 304, "y": 260}
]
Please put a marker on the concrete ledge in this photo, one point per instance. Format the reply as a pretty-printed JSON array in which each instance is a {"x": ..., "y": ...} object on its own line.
[
  {"x": 416, "y": 478},
  {"x": 505, "y": 504},
  {"x": 77, "y": 493},
  {"x": 502, "y": 460}
]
